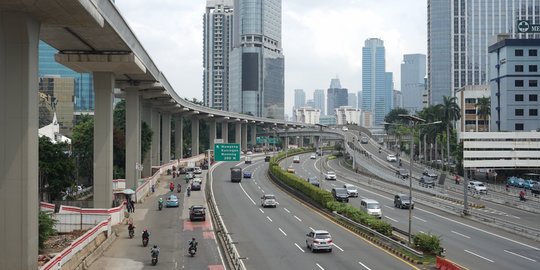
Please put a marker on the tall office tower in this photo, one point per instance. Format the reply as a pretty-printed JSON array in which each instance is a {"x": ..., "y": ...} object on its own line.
[
  {"x": 352, "y": 100},
  {"x": 256, "y": 63},
  {"x": 398, "y": 99},
  {"x": 359, "y": 96},
  {"x": 218, "y": 23},
  {"x": 84, "y": 88},
  {"x": 413, "y": 71},
  {"x": 336, "y": 96},
  {"x": 459, "y": 33},
  {"x": 318, "y": 99},
  {"x": 374, "y": 96},
  {"x": 310, "y": 103},
  {"x": 299, "y": 98},
  {"x": 389, "y": 91}
]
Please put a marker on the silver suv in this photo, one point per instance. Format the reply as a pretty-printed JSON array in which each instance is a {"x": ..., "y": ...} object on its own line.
[
  {"x": 319, "y": 239},
  {"x": 268, "y": 200}
]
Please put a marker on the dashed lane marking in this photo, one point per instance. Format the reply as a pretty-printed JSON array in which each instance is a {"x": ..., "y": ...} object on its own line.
[
  {"x": 338, "y": 247},
  {"x": 460, "y": 234},
  {"x": 247, "y": 194},
  {"x": 267, "y": 217},
  {"x": 364, "y": 266},
  {"x": 282, "y": 231},
  {"x": 298, "y": 218},
  {"x": 479, "y": 256},
  {"x": 521, "y": 256},
  {"x": 301, "y": 249}
]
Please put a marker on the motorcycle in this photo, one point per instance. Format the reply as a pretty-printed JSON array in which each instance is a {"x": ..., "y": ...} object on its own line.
[
  {"x": 154, "y": 259},
  {"x": 145, "y": 241},
  {"x": 179, "y": 188},
  {"x": 131, "y": 233},
  {"x": 160, "y": 206},
  {"x": 171, "y": 188},
  {"x": 188, "y": 192},
  {"x": 192, "y": 251}
]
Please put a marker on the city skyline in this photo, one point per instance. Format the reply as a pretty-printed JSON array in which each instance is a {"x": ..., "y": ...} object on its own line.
[{"x": 172, "y": 32}]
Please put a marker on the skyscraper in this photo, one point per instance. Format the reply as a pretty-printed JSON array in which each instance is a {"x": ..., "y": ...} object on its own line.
[
  {"x": 389, "y": 92},
  {"x": 336, "y": 97},
  {"x": 318, "y": 99},
  {"x": 352, "y": 100},
  {"x": 413, "y": 71},
  {"x": 374, "y": 96},
  {"x": 299, "y": 98},
  {"x": 459, "y": 33},
  {"x": 218, "y": 23},
  {"x": 256, "y": 63}
]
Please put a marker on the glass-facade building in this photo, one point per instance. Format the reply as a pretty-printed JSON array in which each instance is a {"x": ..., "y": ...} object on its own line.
[
  {"x": 413, "y": 72},
  {"x": 318, "y": 100},
  {"x": 256, "y": 63},
  {"x": 299, "y": 98},
  {"x": 84, "y": 89},
  {"x": 459, "y": 34},
  {"x": 336, "y": 96},
  {"x": 375, "y": 98}
]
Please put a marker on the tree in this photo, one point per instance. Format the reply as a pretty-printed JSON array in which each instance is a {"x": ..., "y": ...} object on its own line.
[
  {"x": 46, "y": 227},
  {"x": 483, "y": 109},
  {"x": 449, "y": 112},
  {"x": 56, "y": 168},
  {"x": 83, "y": 147}
]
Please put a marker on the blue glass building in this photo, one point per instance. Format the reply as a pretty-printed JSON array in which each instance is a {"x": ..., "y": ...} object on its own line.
[
  {"x": 375, "y": 98},
  {"x": 84, "y": 88}
]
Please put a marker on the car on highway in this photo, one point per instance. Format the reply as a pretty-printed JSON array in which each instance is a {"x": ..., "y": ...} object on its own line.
[
  {"x": 403, "y": 173},
  {"x": 330, "y": 175},
  {"x": 290, "y": 169},
  {"x": 247, "y": 174},
  {"x": 296, "y": 159},
  {"x": 430, "y": 173},
  {"x": 351, "y": 190},
  {"x": 528, "y": 184},
  {"x": 248, "y": 159},
  {"x": 371, "y": 207},
  {"x": 182, "y": 170},
  {"x": 535, "y": 189},
  {"x": 515, "y": 181},
  {"x": 340, "y": 194},
  {"x": 189, "y": 176},
  {"x": 196, "y": 185},
  {"x": 267, "y": 158},
  {"x": 364, "y": 140},
  {"x": 197, "y": 212},
  {"x": 314, "y": 181},
  {"x": 477, "y": 187},
  {"x": 172, "y": 201},
  {"x": 426, "y": 181},
  {"x": 403, "y": 201},
  {"x": 345, "y": 129},
  {"x": 391, "y": 158},
  {"x": 197, "y": 170},
  {"x": 268, "y": 200},
  {"x": 319, "y": 239},
  {"x": 313, "y": 156}
]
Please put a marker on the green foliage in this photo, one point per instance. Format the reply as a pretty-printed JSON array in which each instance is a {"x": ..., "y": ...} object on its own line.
[
  {"x": 361, "y": 217},
  {"x": 427, "y": 243},
  {"x": 146, "y": 138},
  {"x": 393, "y": 117},
  {"x": 56, "y": 167},
  {"x": 46, "y": 227},
  {"x": 83, "y": 146}
]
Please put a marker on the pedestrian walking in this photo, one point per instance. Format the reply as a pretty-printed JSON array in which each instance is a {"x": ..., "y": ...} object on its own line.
[{"x": 132, "y": 206}]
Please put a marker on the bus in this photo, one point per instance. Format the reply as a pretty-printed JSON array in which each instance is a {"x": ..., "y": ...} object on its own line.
[{"x": 236, "y": 174}]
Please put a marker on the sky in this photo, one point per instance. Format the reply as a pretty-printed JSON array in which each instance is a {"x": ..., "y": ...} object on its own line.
[{"x": 321, "y": 39}]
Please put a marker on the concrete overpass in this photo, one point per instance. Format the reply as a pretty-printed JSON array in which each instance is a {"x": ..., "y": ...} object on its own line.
[{"x": 91, "y": 36}]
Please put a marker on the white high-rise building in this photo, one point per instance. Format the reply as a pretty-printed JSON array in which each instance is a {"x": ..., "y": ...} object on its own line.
[
  {"x": 307, "y": 115},
  {"x": 347, "y": 115}
]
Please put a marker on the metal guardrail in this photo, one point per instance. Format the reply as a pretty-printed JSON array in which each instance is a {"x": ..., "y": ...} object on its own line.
[
  {"x": 380, "y": 235},
  {"x": 529, "y": 232},
  {"x": 234, "y": 259}
]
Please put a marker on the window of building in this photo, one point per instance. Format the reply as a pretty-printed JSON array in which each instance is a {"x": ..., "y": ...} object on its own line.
[
  {"x": 533, "y": 68},
  {"x": 470, "y": 100},
  {"x": 518, "y": 83},
  {"x": 533, "y": 112},
  {"x": 518, "y": 97},
  {"x": 519, "y": 112},
  {"x": 533, "y": 83},
  {"x": 518, "y": 52},
  {"x": 533, "y": 97},
  {"x": 533, "y": 53},
  {"x": 518, "y": 126},
  {"x": 518, "y": 68},
  {"x": 470, "y": 111}
]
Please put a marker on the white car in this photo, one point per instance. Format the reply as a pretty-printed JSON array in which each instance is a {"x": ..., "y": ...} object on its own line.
[
  {"x": 344, "y": 128},
  {"x": 268, "y": 200},
  {"x": 296, "y": 159},
  {"x": 313, "y": 156},
  {"x": 391, "y": 158},
  {"x": 330, "y": 176},
  {"x": 319, "y": 239},
  {"x": 477, "y": 187},
  {"x": 351, "y": 190}
]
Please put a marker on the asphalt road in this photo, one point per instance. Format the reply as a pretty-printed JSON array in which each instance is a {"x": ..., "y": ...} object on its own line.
[
  {"x": 468, "y": 243},
  {"x": 170, "y": 229},
  {"x": 274, "y": 238}
]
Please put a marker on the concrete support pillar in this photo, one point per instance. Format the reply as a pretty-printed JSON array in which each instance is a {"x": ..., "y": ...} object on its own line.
[
  {"x": 244, "y": 137},
  {"x": 103, "y": 139},
  {"x": 19, "y": 36},
  {"x": 253, "y": 135},
  {"x": 238, "y": 133},
  {"x": 133, "y": 137},
  {"x": 286, "y": 143},
  {"x": 194, "y": 136},
  {"x": 312, "y": 141},
  {"x": 301, "y": 141},
  {"x": 212, "y": 137},
  {"x": 147, "y": 158},
  {"x": 156, "y": 137},
  {"x": 178, "y": 136},
  {"x": 225, "y": 131},
  {"x": 166, "y": 137}
]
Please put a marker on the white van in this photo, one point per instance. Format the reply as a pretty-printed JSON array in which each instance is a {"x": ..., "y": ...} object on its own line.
[{"x": 371, "y": 207}]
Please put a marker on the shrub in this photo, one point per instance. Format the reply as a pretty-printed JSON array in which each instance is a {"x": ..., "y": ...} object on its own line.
[
  {"x": 46, "y": 227},
  {"x": 427, "y": 243}
]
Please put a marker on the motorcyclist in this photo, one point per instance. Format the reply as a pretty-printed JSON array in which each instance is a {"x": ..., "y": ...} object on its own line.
[
  {"x": 154, "y": 251},
  {"x": 193, "y": 244},
  {"x": 179, "y": 187},
  {"x": 188, "y": 191},
  {"x": 145, "y": 234},
  {"x": 160, "y": 202},
  {"x": 131, "y": 227},
  {"x": 171, "y": 186},
  {"x": 522, "y": 196},
  {"x": 380, "y": 149}
]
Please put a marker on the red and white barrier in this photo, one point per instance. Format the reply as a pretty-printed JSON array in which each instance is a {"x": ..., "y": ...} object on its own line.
[{"x": 46, "y": 207}]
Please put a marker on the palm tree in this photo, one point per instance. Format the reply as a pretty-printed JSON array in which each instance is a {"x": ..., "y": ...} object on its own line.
[
  {"x": 483, "y": 109},
  {"x": 430, "y": 132},
  {"x": 449, "y": 112}
]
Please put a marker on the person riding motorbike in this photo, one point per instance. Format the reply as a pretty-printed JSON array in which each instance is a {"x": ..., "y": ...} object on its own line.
[
  {"x": 380, "y": 149},
  {"x": 171, "y": 186},
  {"x": 131, "y": 229},
  {"x": 193, "y": 245},
  {"x": 154, "y": 251},
  {"x": 188, "y": 191},
  {"x": 145, "y": 234},
  {"x": 160, "y": 202},
  {"x": 179, "y": 187},
  {"x": 522, "y": 196}
]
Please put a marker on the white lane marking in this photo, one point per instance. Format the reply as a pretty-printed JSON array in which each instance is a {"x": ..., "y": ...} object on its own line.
[
  {"x": 388, "y": 207},
  {"x": 364, "y": 266},
  {"x": 287, "y": 210},
  {"x": 239, "y": 164},
  {"x": 247, "y": 194},
  {"x": 333, "y": 185},
  {"x": 460, "y": 234},
  {"x": 420, "y": 219},
  {"x": 282, "y": 231},
  {"x": 261, "y": 210},
  {"x": 269, "y": 218},
  {"x": 311, "y": 228},
  {"x": 258, "y": 187},
  {"x": 262, "y": 190},
  {"x": 298, "y": 218},
  {"x": 526, "y": 258},
  {"x": 391, "y": 219},
  {"x": 319, "y": 266},
  {"x": 478, "y": 255},
  {"x": 299, "y": 247},
  {"x": 338, "y": 247}
]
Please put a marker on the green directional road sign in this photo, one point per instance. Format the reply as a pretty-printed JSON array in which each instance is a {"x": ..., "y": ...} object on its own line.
[
  {"x": 227, "y": 152},
  {"x": 524, "y": 26}
]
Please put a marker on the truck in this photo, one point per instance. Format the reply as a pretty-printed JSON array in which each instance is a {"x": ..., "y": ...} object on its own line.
[{"x": 236, "y": 174}]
